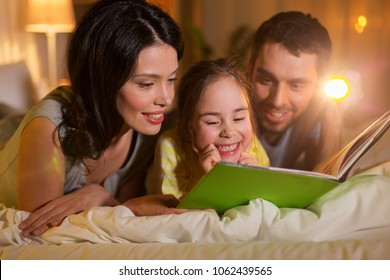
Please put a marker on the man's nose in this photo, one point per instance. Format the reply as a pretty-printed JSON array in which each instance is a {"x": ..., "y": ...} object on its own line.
[{"x": 279, "y": 95}]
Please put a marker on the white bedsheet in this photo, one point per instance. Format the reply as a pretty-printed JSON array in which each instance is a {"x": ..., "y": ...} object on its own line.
[{"x": 357, "y": 209}]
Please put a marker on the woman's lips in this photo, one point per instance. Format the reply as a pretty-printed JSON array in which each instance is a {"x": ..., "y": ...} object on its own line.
[{"x": 154, "y": 118}]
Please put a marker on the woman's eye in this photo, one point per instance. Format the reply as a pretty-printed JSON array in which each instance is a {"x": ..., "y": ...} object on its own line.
[
  {"x": 146, "y": 85},
  {"x": 172, "y": 80},
  {"x": 212, "y": 122}
]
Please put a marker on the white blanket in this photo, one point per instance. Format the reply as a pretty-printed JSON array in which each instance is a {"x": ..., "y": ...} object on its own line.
[{"x": 357, "y": 209}]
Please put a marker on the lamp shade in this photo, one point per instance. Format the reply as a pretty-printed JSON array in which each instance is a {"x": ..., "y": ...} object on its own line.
[{"x": 50, "y": 16}]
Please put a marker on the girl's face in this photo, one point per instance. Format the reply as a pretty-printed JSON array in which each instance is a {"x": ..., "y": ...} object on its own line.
[
  {"x": 222, "y": 118},
  {"x": 144, "y": 98}
]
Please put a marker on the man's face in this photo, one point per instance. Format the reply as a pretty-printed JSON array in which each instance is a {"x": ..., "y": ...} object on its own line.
[{"x": 283, "y": 86}]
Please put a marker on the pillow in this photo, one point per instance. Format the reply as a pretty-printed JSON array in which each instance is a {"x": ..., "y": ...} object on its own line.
[{"x": 16, "y": 87}]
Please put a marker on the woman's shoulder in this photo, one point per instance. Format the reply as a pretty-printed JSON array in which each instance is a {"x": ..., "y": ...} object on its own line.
[{"x": 51, "y": 105}]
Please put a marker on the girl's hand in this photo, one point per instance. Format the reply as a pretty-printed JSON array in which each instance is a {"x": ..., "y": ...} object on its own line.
[
  {"x": 54, "y": 212},
  {"x": 152, "y": 205},
  {"x": 208, "y": 157},
  {"x": 248, "y": 159}
]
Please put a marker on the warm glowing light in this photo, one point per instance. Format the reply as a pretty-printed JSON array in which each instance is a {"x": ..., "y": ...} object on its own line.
[
  {"x": 362, "y": 21},
  {"x": 337, "y": 88},
  {"x": 359, "y": 28},
  {"x": 360, "y": 24}
]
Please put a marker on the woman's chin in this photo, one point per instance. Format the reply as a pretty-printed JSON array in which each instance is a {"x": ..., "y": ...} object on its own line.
[{"x": 153, "y": 130}]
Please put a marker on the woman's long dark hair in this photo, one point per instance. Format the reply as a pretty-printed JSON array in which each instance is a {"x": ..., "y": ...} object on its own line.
[{"x": 102, "y": 56}]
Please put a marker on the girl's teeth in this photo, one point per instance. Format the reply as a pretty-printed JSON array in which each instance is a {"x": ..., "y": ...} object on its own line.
[{"x": 227, "y": 148}]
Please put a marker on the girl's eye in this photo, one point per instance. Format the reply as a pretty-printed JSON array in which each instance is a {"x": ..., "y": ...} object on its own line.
[
  {"x": 211, "y": 122},
  {"x": 239, "y": 119}
]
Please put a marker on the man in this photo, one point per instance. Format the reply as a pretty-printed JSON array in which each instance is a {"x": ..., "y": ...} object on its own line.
[{"x": 289, "y": 58}]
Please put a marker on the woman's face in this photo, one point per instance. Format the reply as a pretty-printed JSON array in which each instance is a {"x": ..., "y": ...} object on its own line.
[
  {"x": 222, "y": 118},
  {"x": 144, "y": 98}
]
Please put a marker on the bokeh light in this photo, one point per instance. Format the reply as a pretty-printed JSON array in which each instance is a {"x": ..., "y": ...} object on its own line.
[
  {"x": 337, "y": 88},
  {"x": 360, "y": 24},
  {"x": 359, "y": 28},
  {"x": 362, "y": 20}
]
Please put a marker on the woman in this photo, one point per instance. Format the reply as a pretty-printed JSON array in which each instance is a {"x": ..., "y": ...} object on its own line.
[{"x": 81, "y": 146}]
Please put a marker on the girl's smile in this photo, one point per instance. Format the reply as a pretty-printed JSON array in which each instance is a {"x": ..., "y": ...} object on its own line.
[{"x": 222, "y": 119}]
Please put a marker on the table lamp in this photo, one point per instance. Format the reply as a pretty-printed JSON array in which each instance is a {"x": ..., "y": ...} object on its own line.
[{"x": 50, "y": 17}]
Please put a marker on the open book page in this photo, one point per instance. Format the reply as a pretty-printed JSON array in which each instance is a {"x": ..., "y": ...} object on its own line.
[
  {"x": 340, "y": 164},
  {"x": 298, "y": 171}
]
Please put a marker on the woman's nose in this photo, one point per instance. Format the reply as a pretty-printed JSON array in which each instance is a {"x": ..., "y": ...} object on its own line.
[{"x": 165, "y": 96}]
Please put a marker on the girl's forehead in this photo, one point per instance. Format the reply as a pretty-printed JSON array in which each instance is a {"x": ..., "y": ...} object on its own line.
[{"x": 223, "y": 95}]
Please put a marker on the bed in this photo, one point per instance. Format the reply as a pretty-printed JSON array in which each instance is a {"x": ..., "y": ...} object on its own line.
[{"x": 350, "y": 222}]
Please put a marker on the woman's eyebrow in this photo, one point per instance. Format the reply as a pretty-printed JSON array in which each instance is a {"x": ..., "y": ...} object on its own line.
[{"x": 152, "y": 75}]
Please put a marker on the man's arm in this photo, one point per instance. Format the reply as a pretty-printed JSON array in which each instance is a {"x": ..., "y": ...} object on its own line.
[{"x": 329, "y": 141}]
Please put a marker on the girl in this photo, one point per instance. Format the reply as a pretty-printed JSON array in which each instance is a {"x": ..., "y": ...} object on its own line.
[{"x": 215, "y": 123}]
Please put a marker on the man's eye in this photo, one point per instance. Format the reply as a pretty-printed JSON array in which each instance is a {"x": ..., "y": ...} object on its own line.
[
  {"x": 296, "y": 86},
  {"x": 265, "y": 80}
]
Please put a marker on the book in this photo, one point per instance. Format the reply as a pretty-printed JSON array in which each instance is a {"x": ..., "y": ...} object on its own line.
[{"x": 228, "y": 185}]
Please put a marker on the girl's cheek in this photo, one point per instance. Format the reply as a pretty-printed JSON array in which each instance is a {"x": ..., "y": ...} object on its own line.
[
  {"x": 248, "y": 134},
  {"x": 205, "y": 137}
]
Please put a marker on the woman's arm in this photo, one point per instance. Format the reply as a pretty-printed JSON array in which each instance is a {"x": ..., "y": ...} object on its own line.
[
  {"x": 41, "y": 166},
  {"x": 41, "y": 175}
]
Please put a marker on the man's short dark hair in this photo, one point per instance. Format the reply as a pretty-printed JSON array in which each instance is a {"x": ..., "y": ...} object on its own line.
[{"x": 298, "y": 33}]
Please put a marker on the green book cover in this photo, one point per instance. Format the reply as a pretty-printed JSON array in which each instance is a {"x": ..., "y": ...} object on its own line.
[{"x": 228, "y": 185}]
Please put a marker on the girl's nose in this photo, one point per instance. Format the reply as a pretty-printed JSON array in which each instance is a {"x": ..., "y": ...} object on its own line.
[{"x": 228, "y": 131}]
